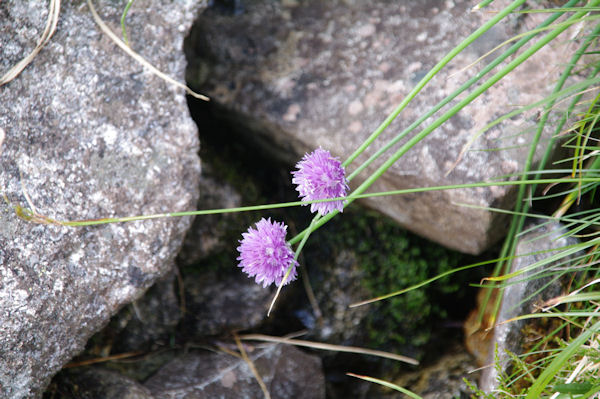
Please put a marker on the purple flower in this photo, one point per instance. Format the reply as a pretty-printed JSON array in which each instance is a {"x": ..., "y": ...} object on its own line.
[
  {"x": 321, "y": 176},
  {"x": 265, "y": 254}
]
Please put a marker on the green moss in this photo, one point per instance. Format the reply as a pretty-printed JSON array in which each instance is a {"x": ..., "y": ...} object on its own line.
[{"x": 393, "y": 259}]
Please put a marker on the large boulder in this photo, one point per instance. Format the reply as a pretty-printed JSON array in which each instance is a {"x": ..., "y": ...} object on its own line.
[
  {"x": 297, "y": 75},
  {"x": 98, "y": 383},
  {"x": 286, "y": 372},
  {"x": 88, "y": 133},
  {"x": 444, "y": 379}
]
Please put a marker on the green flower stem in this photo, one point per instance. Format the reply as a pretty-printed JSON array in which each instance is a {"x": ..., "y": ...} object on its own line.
[
  {"x": 550, "y": 99},
  {"x": 567, "y": 251},
  {"x": 584, "y": 221},
  {"x": 289, "y": 270},
  {"x": 386, "y": 384},
  {"x": 29, "y": 215},
  {"x": 422, "y": 283},
  {"x": 575, "y": 314},
  {"x": 578, "y": 159},
  {"x": 358, "y": 195},
  {"x": 482, "y": 4},
  {"x": 548, "y": 102},
  {"x": 573, "y": 195},
  {"x": 561, "y": 9},
  {"x": 470, "y": 39},
  {"x": 451, "y": 112},
  {"x": 510, "y": 51},
  {"x": 518, "y": 221},
  {"x": 535, "y": 391},
  {"x": 123, "y": 30}
]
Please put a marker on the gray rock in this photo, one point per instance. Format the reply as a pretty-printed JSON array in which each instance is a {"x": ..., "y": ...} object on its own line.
[
  {"x": 98, "y": 383},
  {"x": 223, "y": 303},
  {"x": 208, "y": 233},
  {"x": 443, "y": 379},
  {"x": 340, "y": 288},
  {"x": 286, "y": 371},
  {"x": 149, "y": 321},
  {"x": 520, "y": 297},
  {"x": 89, "y": 133},
  {"x": 297, "y": 75}
]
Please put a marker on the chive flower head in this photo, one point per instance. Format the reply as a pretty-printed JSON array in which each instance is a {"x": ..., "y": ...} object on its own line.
[
  {"x": 321, "y": 176},
  {"x": 265, "y": 254}
]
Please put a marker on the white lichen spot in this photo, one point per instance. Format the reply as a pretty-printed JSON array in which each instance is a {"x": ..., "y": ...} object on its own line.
[
  {"x": 284, "y": 86},
  {"x": 498, "y": 191},
  {"x": 384, "y": 67},
  {"x": 2, "y": 136},
  {"x": 58, "y": 286},
  {"x": 76, "y": 256},
  {"x": 96, "y": 197},
  {"x": 228, "y": 379},
  {"x": 421, "y": 37},
  {"x": 109, "y": 134},
  {"x": 20, "y": 296},
  {"x": 355, "y": 127},
  {"x": 414, "y": 67},
  {"x": 292, "y": 112},
  {"x": 355, "y": 107},
  {"x": 509, "y": 166},
  {"x": 395, "y": 87},
  {"x": 366, "y": 30}
]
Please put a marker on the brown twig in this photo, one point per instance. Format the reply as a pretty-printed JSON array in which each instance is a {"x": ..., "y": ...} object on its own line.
[
  {"x": 103, "y": 359},
  {"x": 49, "y": 30},
  {"x": 104, "y": 28},
  {"x": 329, "y": 347},
  {"x": 251, "y": 366}
]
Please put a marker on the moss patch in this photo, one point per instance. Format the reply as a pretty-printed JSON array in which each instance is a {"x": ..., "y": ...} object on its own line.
[{"x": 393, "y": 259}]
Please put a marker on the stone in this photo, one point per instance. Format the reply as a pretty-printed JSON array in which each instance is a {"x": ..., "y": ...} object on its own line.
[
  {"x": 341, "y": 287},
  {"x": 217, "y": 303},
  {"x": 149, "y": 321},
  {"x": 444, "y": 378},
  {"x": 522, "y": 297},
  {"x": 87, "y": 133},
  {"x": 286, "y": 371},
  {"x": 294, "y": 76},
  {"x": 207, "y": 235},
  {"x": 99, "y": 383}
]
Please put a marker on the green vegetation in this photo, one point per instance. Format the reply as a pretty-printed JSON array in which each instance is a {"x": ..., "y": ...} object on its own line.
[{"x": 393, "y": 259}]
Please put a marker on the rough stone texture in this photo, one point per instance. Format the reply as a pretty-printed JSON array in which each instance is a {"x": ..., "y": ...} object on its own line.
[
  {"x": 286, "y": 371},
  {"x": 149, "y": 321},
  {"x": 219, "y": 304},
  {"x": 521, "y": 297},
  {"x": 207, "y": 232},
  {"x": 98, "y": 383},
  {"x": 89, "y": 133},
  {"x": 298, "y": 75},
  {"x": 444, "y": 378},
  {"x": 341, "y": 287}
]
